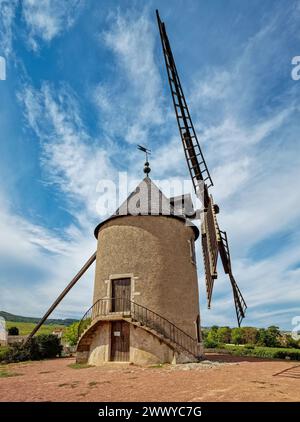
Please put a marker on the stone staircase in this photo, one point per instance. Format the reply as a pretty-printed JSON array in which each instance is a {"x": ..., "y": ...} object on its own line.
[{"x": 186, "y": 348}]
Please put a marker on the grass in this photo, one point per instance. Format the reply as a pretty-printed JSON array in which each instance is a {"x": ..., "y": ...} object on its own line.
[
  {"x": 26, "y": 327},
  {"x": 79, "y": 365},
  {"x": 4, "y": 373},
  {"x": 158, "y": 365},
  {"x": 263, "y": 352}
]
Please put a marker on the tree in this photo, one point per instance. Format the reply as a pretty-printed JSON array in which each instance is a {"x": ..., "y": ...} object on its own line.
[
  {"x": 211, "y": 338},
  {"x": 250, "y": 335},
  {"x": 270, "y": 337},
  {"x": 71, "y": 334},
  {"x": 224, "y": 335},
  {"x": 290, "y": 342},
  {"x": 261, "y": 337},
  {"x": 273, "y": 336},
  {"x": 13, "y": 331},
  {"x": 237, "y": 335}
]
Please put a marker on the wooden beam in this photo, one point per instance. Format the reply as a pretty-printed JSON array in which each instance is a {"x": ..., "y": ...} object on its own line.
[{"x": 61, "y": 296}]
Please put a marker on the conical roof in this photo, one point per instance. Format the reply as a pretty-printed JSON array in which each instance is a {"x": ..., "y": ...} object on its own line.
[{"x": 148, "y": 199}]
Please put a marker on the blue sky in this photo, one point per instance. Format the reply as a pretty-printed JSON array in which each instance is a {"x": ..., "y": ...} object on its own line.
[{"x": 86, "y": 82}]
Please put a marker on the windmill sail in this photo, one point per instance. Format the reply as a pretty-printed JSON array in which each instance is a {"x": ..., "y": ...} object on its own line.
[
  {"x": 213, "y": 236},
  {"x": 194, "y": 156},
  {"x": 240, "y": 304},
  {"x": 214, "y": 241}
]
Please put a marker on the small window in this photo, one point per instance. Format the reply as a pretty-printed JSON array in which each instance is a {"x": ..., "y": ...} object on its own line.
[{"x": 192, "y": 251}]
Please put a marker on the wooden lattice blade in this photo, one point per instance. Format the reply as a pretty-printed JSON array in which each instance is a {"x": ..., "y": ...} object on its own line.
[{"x": 240, "y": 304}]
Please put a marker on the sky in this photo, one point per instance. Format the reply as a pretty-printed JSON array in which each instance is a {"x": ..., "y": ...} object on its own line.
[{"x": 85, "y": 82}]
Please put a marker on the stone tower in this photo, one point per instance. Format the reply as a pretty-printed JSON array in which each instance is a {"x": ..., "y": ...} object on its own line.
[{"x": 145, "y": 305}]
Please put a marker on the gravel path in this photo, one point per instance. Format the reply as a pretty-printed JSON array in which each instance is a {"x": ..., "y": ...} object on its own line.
[{"x": 220, "y": 378}]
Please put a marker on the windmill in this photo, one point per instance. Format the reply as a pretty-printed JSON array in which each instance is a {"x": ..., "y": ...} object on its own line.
[
  {"x": 214, "y": 240},
  {"x": 129, "y": 251}
]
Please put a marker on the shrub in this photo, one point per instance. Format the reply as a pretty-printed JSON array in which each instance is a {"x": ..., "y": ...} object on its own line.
[
  {"x": 290, "y": 342},
  {"x": 269, "y": 337},
  {"x": 210, "y": 344},
  {"x": 3, "y": 352},
  {"x": 212, "y": 336},
  {"x": 224, "y": 334},
  {"x": 237, "y": 335},
  {"x": 48, "y": 346},
  {"x": 71, "y": 334},
  {"x": 265, "y": 352},
  {"x": 13, "y": 331},
  {"x": 40, "y": 347},
  {"x": 249, "y": 346},
  {"x": 249, "y": 335}
]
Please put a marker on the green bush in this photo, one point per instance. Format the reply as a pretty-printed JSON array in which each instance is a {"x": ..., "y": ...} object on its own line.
[
  {"x": 210, "y": 344},
  {"x": 290, "y": 342},
  {"x": 224, "y": 335},
  {"x": 48, "y": 346},
  {"x": 237, "y": 335},
  {"x": 4, "y": 350},
  {"x": 269, "y": 337},
  {"x": 13, "y": 331},
  {"x": 249, "y": 346},
  {"x": 44, "y": 346},
  {"x": 71, "y": 334},
  {"x": 264, "y": 352}
]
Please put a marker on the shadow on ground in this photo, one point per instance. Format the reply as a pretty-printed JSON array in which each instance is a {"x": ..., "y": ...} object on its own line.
[{"x": 292, "y": 372}]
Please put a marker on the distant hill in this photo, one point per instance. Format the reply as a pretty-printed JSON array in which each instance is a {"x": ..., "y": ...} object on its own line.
[{"x": 17, "y": 318}]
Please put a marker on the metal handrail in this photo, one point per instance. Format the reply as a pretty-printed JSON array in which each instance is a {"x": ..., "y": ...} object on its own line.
[{"x": 127, "y": 308}]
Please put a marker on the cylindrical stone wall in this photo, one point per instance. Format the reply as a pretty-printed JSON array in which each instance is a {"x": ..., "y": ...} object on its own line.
[{"x": 155, "y": 252}]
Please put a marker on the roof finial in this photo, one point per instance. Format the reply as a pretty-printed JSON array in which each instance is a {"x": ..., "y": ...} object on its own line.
[{"x": 147, "y": 152}]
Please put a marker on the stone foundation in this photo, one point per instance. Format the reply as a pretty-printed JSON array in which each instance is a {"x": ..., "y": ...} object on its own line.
[{"x": 145, "y": 348}]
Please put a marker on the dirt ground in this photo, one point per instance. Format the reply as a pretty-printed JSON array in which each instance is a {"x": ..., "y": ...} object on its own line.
[{"x": 220, "y": 378}]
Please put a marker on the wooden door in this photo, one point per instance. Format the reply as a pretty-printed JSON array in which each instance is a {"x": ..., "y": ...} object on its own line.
[
  {"x": 121, "y": 295},
  {"x": 120, "y": 333}
]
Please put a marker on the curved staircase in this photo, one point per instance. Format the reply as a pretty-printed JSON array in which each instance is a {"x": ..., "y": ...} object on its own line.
[{"x": 140, "y": 316}]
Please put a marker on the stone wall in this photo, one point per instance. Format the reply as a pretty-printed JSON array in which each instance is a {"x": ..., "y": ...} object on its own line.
[
  {"x": 154, "y": 251},
  {"x": 145, "y": 348},
  {"x": 100, "y": 345}
]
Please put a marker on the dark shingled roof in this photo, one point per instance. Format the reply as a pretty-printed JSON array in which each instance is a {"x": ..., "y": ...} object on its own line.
[{"x": 147, "y": 199}]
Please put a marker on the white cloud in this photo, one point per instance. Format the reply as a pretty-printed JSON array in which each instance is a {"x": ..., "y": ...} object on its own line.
[
  {"x": 31, "y": 249},
  {"x": 20, "y": 238},
  {"x": 74, "y": 162},
  {"x": 250, "y": 145},
  {"x": 130, "y": 101},
  {"x": 46, "y": 19},
  {"x": 249, "y": 135},
  {"x": 7, "y": 15},
  {"x": 70, "y": 158}
]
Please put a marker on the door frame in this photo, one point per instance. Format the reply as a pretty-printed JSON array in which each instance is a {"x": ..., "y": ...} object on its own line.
[
  {"x": 111, "y": 340},
  {"x": 114, "y": 305},
  {"x": 116, "y": 277}
]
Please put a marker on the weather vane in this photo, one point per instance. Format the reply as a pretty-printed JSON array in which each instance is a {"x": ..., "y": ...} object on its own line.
[{"x": 147, "y": 152}]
